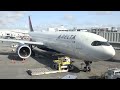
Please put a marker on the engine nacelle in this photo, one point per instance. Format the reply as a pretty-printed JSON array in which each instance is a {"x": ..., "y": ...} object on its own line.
[{"x": 23, "y": 51}]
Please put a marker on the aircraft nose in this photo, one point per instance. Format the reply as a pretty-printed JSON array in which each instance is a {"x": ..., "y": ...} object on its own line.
[{"x": 109, "y": 52}]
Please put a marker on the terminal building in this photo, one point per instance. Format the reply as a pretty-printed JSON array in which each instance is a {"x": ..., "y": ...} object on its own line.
[
  {"x": 112, "y": 35},
  {"x": 13, "y": 33}
]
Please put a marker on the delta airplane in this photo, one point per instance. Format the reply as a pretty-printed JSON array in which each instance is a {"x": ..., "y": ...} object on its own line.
[{"x": 80, "y": 45}]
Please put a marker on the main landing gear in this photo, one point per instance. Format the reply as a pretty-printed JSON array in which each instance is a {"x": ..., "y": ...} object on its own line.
[
  {"x": 32, "y": 52},
  {"x": 87, "y": 67}
]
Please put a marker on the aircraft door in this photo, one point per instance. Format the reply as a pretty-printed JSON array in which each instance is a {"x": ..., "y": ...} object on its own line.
[{"x": 77, "y": 48}]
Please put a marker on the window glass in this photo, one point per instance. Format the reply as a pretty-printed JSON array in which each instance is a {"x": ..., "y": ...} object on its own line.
[
  {"x": 96, "y": 43},
  {"x": 100, "y": 43},
  {"x": 105, "y": 43}
]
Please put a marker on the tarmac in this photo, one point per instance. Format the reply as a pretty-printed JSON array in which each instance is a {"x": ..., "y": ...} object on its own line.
[{"x": 12, "y": 67}]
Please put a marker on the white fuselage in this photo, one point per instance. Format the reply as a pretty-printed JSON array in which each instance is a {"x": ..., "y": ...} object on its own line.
[{"x": 75, "y": 44}]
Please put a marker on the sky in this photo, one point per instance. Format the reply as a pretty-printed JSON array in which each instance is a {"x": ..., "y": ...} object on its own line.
[{"x": 70, "y": 19}]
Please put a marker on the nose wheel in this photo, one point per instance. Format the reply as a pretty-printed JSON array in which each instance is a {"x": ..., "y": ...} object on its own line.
[{"x": 87, "y": 68}]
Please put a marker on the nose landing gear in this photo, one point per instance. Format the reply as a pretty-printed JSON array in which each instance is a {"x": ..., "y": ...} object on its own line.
[{"x": 87, "y": 67}]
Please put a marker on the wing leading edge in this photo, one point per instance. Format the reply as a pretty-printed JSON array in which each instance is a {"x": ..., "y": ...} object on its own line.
[{"x": 22, "y": 41}]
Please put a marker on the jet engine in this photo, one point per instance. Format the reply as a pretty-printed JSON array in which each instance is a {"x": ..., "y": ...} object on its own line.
[{"x": 23, "y": 51}]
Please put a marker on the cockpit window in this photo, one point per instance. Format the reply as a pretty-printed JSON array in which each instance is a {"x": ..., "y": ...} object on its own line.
[{"x": 100, "y": 43}]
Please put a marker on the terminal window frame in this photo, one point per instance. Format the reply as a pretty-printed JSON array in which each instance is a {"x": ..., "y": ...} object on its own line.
[{"x": 100, "y": 43}]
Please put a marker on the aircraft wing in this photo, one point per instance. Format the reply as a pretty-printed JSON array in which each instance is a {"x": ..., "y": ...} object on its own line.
[{"x": 22, "y": 41}]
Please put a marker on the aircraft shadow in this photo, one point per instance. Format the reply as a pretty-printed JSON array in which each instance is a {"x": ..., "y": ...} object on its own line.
[
  {"x": 14, "y": 56},
  {"x": 95, "y": 77},
  {"x": 113, "y": 60},
  {"x": 45, "y": 58},
  {"x": 75, "y": 70},
  {"x": 5, "y": 53},
  {"x": 11, "y": 56}
]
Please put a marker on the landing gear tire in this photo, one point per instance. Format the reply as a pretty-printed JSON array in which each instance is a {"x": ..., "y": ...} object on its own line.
[
  {"x": 90, "y": 62},
  {"x": 55, "y": 66},
  {"x": 70, "y": 67},
  {"x": 87, "y": 67}
]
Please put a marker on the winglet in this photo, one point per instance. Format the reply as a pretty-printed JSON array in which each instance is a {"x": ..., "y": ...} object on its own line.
[{"x": 30, "y": 25}]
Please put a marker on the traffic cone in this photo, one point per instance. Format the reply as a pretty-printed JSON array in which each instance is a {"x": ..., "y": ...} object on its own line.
[
  {"x": 12, "y": 61},
  {"x": 23, "y": 61}
]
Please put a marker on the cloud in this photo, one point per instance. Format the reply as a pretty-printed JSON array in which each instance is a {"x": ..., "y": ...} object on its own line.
[
  {"x": 8, "y": 17},
  {"x": 102, "y": 12},
  {"x": 69, "y": 17}
]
